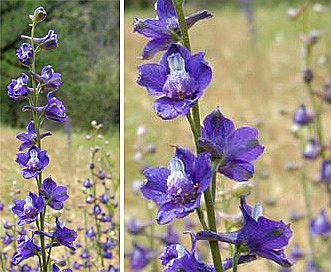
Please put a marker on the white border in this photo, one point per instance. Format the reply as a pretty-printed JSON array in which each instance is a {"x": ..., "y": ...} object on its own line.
[{"x": 122, "y": 135}]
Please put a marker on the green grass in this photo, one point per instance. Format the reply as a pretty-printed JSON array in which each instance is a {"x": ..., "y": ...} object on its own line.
[{"x": 253, "y": 81}]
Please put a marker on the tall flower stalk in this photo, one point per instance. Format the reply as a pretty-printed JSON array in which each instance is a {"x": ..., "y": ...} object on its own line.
[{"x": 34, "y": 208}]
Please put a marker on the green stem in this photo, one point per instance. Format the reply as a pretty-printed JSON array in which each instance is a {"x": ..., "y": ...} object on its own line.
[
  {"x": 195, "y": 126},
  {"x": 235, "y": 258},
  {"x": 202, "y": 219}
]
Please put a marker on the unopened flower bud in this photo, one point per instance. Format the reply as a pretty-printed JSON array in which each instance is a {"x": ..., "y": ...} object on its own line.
[
  {"x": 307, "y": 75},
  {"x": 241, "y": 189},
  {"x": 94, "y": 123},
  {"x": 39, "y": 15}
]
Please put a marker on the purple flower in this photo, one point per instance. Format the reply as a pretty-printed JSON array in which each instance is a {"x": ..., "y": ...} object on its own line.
[
  {"x": 326, "y": 171},
  {"x": 296, "y": 253},
  {"x": 29, "y": 209},
  {"x": 171, "y": 237},
  {"x": 85, "y": 255},
  {"x": 61, "y": 236},
  {"x": 55, "y": 268},
  {"x": 258, "y": 236},
  {"x": 33, "y": 162},
  {"x": 178, "y": 258},
  {"x": 164, "y": 30},
  {"x": 8, "y": 239},
  {"x": 313, "y": 149},
  {"x": 48, "y": 42},
  {"x": 54, "y": 195},
  {"x": 2, "y": 206},
  {"x": 180, "y": 79},
  {"x": 320, "y": 225},
  {"x": 302, "y": 117},
  {"x": 25, "y": 250},
  {"x": 29, "y": 139},
  {"x": 178, "y": 189},
  {"x": 90, "y": 233},
  {"x": 18, "y": 88},
  {"x": 25, "y": 54},
  {"x": 49, "y": 80},
  {"x": 136, "y": 227},
  {"x": 235, "y": 149},
  {"x": 97, "y": 209},
  {"x": 88, "y": 183},
  {"x": 140, "y": 257},
  {"x": 54, "y": 110}
]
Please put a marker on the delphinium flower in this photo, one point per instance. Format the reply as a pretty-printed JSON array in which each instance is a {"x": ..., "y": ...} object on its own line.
[
  {"x": 54, "y": 195},
  {"x": 235, "y": 149},
  {"x": 26, "y": 249},
  {"x": 164, "y": 29},
  {"x": 18, "y": 88},
  {"x": 313, "y": 149},
  {"x": 29, "y": 209},
  {"x": 33, "y": 162},
  {"x": 48, "y": 79},
  {"x": 179, "y": 80},
  {"x": 178, "y": 189},
  {"x": 48, "y": 42},
  {"x": 302, "y": 116},
  {"x": 25, "y": 54},
  {"x": 320, "y": 225},
  {"x": 258, "y": 236},
  {"x": 29, "y": 139},
  {"x": 140, "y": 257},
  {"x": 326, "y": 171}
]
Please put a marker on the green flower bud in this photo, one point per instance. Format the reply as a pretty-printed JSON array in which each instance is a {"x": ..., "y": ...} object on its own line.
[{"x": 39, "y": 15}]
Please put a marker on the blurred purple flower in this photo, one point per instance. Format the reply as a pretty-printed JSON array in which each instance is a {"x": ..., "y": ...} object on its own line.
[
  {"x": 171, "y": 237},
  {"x": 90, "y": 233},
  {"x": 90, "y": 199},
  {"x": 140, "y": 257},
  {"x": 302, "y": 117},
  {"x": 85, "y": 255},
  {"x": 8, "y": 239},
  {"x": 97, "y": 209},
  {"x": 296, "y": 253},
  {"x": 29, "y": 139},
  {"x": 135, "y": 227},
  {"x": 313, "y": 149},
  {"x": 55, "y": 268},
  {"x": 178, "y": 188},
  {"x": 320, "y": 225},
  {"x": 48, "y": 42},
  {"x": 29, "y": 209},
  {"x": 33, "y": 162},
  {"x": 104, "y": 199},
  {"x": 234, "y": 148},
  {"x": 54, "y": 195},
  {"x": 25, "y": 54},
  {"x": 312, "y": 266},
  {"x": 180, "y": 79},
  {"x": 326, "y": 171},
  {"x": 49, "y": 80},
  {"x": 88, "y": 183},
  {"x": 164, "y": 29},
  {"x": 18, "y": 88},
  {"x": 2, "y": 206},
  {"x": 258, "y": 236}
]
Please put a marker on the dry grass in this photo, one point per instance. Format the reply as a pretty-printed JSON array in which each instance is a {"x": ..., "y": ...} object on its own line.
[
  {"x": 67, "y": 166},
  {"x": 253, "y": 80}
]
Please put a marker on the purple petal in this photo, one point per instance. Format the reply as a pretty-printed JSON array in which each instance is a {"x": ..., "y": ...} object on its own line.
[
  {"x": 154, "y": 46},
  {"x": 153, "y": 77},
  {"x": 167, "y": 213},
  {"x": 165, "y": 9},
  {"x": 156, "y": 186},
  {"x": 200, "y": 15},
  {"x": 169, "y": 109},
  {"x": 199, "y": 70},
  {"x": 239, "y": 171},
  {"x": 22, "y": 159},
  {"x": 203, "y": 171},
  {"x": 151, "y": 28},
  {"x": 29, "y": 174},
  {"x": 244, "y": 145}
]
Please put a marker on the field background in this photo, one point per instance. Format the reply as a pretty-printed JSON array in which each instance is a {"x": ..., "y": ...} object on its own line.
[
  {"x": 68, "y": 164},
  {"x": 256, "y": 82}
]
